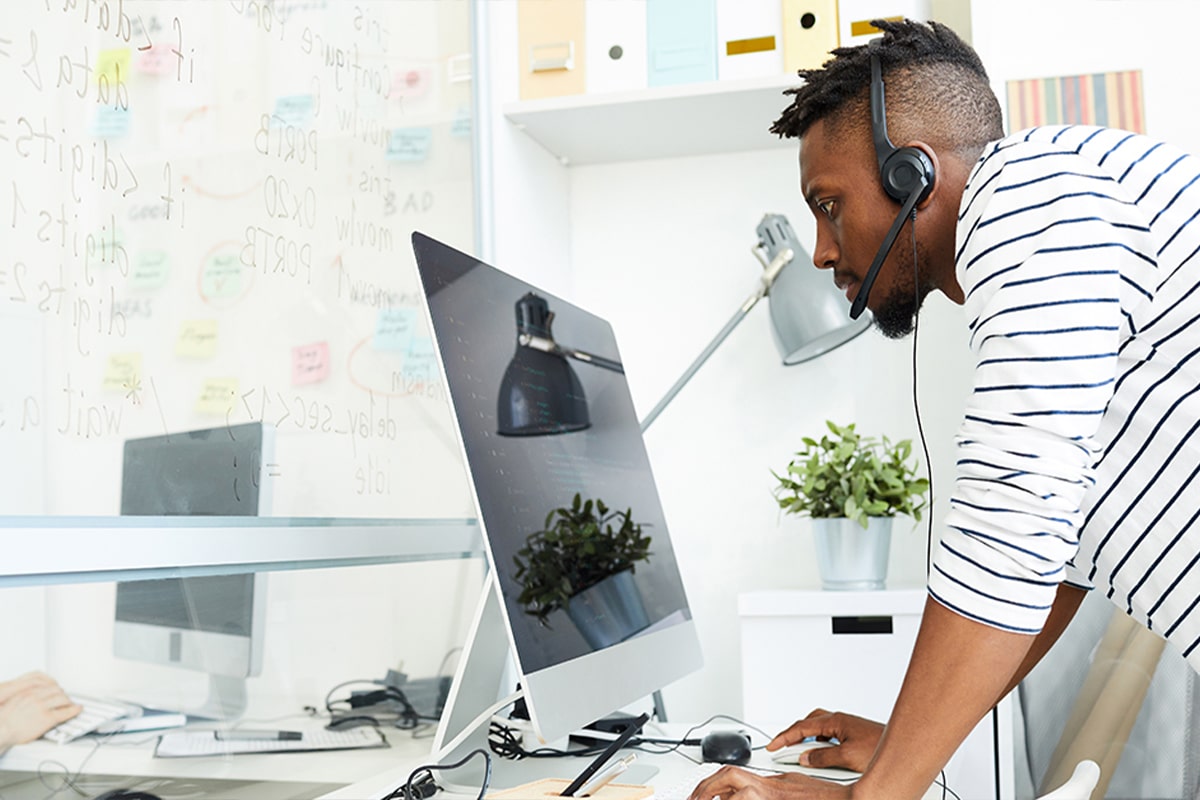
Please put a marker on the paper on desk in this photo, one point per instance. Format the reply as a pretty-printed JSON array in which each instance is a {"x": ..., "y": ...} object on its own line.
[{"x": 552, "y": 787}]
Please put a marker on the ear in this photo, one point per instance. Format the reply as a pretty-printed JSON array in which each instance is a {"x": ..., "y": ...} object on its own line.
[{"x": 937, "y": 171}]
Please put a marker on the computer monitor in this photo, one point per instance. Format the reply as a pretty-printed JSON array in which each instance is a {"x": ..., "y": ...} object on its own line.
[
  {"x": 213, "y": 624},
  {"x": 544, "y": 413}
]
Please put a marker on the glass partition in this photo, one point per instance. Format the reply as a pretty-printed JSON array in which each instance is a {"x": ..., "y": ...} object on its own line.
[{"x": 206, "y": 210}]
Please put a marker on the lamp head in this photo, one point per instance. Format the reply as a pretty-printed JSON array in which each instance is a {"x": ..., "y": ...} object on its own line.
[
  {"x": 808, "y": 315},
  {"x": 540, "y": 393}
]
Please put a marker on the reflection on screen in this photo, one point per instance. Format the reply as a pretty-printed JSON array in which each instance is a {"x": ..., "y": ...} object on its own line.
[{"x": 520, "y": 480}]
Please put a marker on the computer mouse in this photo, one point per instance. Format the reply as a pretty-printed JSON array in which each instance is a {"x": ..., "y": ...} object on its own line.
[
  {"x": 725, "y": 747},
  {"x": 791, "y": 753},
  {"x": 127, "y": 794}
]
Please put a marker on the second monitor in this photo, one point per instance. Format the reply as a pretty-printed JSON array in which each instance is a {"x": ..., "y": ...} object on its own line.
[{"x": 214, "y": 623}]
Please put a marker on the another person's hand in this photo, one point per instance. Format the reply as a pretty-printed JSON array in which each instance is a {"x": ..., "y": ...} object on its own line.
[
  {"x": 857, "y": 739},
  {"x": 31, "y": 705},
  {"x": 731, "y": 783}
]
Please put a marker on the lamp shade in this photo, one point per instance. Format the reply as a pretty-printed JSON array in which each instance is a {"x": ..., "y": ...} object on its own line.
[
  {"x": 540, "y": 393},
  {"x": 808, "y": 313}
]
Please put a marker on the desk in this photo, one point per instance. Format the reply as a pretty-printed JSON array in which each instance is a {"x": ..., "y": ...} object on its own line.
[
  {"x": 299, "y": 775},
  {"x": 127, "y": 761}
]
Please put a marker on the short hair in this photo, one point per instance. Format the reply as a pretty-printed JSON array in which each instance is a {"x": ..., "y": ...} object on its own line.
[{"x": 937, "y": 90}]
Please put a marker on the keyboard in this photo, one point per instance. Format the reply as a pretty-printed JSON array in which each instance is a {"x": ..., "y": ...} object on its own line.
[
  {"x": 682, "y": 787},
  {"x": 95, "y": 713},
  {"x": 206, "y": 743}
]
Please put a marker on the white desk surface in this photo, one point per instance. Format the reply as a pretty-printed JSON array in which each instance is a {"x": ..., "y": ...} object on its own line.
[{"x": 364, "y": 774}]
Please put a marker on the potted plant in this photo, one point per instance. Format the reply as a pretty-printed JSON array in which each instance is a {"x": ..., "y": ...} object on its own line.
[
  {"x": 583, "y": 561},
  {"x": 852, "y": 486}
]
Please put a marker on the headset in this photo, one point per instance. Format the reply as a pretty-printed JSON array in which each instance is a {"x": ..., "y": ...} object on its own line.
[{"x": 907, "y": 175}]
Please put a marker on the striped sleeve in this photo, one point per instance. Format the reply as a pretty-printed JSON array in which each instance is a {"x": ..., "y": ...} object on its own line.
[{"x": 1044, "y": 242}]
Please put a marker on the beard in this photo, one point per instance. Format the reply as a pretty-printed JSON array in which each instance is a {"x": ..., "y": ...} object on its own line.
[{"x": 897, "y": 314}]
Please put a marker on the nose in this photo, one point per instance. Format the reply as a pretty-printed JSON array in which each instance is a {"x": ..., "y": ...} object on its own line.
[{"x": 825, "y": 254}]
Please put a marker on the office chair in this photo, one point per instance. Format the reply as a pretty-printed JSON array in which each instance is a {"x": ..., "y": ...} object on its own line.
[{"x": 1079, "y": 787}]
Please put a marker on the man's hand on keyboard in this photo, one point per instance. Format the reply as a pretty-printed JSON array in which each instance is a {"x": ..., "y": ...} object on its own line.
[
  {"x": 31, "y": 705},
  {"x": 732, "y": 783}
]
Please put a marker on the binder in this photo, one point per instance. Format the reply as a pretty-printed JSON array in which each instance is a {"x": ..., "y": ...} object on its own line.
[
  {"x": 615, "y": 35},
  {"x": 854, "y": 17},
  {"x": 551, "y": 48},
  {"x": 749, "y": 39},
  {"x": 810, "y": 32},
  {"x": 681, "y": 38}
]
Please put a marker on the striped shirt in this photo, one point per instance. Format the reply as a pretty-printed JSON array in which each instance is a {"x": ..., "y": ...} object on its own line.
[{"x": 1079, "y": 450}]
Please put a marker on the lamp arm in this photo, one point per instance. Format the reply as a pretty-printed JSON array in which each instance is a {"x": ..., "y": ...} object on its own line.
[
  {"x": 770, "y": 273},
  {"x": 551, "y": 346}
]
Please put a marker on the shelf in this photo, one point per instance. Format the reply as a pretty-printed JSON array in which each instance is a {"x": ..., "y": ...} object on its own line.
[
  {"x": 663, "y": 122},
  {"x": 43, "y": 550}
]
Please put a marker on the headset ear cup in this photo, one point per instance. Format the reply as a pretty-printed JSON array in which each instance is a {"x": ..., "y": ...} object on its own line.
[{"x": 905, "y": 171}]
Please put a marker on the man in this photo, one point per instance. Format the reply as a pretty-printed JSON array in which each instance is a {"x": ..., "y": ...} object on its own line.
[{"x": 1073, "y": 252}]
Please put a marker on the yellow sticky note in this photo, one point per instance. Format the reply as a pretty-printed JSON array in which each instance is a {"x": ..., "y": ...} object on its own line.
[
  {"x": 123, "y": 373},
  {"x": 197, "y": 339},
  {"x": 109, "y": 61},
  {"x": 217, "y": 396}
]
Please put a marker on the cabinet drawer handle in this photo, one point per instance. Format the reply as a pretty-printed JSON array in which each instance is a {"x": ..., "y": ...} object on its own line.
[{"x": 857, "y": 625}]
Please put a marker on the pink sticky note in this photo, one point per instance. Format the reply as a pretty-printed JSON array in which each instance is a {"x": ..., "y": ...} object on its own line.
[{"x": 310, "y": 363}]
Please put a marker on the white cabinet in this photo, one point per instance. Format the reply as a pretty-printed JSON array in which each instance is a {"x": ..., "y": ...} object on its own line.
[{"x": 848, "y": 651}]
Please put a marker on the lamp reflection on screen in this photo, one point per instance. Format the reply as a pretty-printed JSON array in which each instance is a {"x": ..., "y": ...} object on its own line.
[{"x": 541, "y": 394}]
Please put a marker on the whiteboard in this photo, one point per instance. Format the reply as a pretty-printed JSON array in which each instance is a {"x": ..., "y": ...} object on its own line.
[{"x": 205, "y": 211}]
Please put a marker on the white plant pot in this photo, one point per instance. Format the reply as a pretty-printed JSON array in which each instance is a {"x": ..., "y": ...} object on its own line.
[{"x": 851, "y": 557}]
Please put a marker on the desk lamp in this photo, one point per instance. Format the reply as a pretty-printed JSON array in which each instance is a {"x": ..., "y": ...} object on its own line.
[
  {"x": 540, "y": 393},
  {"x": 808, "y": 315}
]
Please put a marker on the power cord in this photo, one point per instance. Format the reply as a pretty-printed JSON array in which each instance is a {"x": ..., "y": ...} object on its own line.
[
  {"x": 385, "y": 704},
  {"x": 421, "y": 784}
]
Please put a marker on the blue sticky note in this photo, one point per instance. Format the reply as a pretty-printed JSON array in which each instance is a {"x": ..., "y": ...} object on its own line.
[
  {"x": 461, "y": 126},
  {"x": 111, "y": 123},
  {"x": 409, "y": 144},
  {"x": 394, "y": 329},
  {"x": 295, "y": 110}
]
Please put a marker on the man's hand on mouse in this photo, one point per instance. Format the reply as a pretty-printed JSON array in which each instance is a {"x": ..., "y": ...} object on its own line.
[
  {"x": 857, "y": 740},
  {"x": 733, "y": 783}
]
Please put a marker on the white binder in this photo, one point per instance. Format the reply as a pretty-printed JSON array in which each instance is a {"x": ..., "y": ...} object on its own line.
[{"x": 615, "y": 33}]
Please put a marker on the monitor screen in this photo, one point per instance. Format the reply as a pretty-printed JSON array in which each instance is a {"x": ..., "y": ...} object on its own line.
[
  {"x": 545, "y": 415},
  {"x": 212, "y": 623}
]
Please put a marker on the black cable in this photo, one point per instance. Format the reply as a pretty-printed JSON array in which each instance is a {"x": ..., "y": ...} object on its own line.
[
  {"x": 421, "y": 784},
  {"x": 915, "y": 394}
]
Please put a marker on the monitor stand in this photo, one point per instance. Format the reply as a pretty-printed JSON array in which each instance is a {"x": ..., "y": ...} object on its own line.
[
  {"x": 476, "y": 695},
  {"x": 226, "y": 699}
]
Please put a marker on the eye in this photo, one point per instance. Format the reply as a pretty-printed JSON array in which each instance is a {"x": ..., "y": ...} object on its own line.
[{"x": 825, "y": 207}]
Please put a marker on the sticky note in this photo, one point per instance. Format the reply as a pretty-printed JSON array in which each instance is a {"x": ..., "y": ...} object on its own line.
[
  {"x": 217, "y": 396},
  {"x": 123, "y": 373},
  {"x": 420, "y": 355},
  {"x": 409, "y": 144},
  {"x": 197, "y": 339},
  {"x": 157, "y": 60},
  {"x": 460, "y": 126},
  {"x": 411, "y": 82},
  {"x": 108, "y": 62},
  {"x": 296, "y": 110},
  {"x": 394, "y": 328},
  {"x": 111, "y": 123},
  {"x": 150, "y": 270},
  {"x": 221, "y": 276},
  {"x": 310, "y": 363}
]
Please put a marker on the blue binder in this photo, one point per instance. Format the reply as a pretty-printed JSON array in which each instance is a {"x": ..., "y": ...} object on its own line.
[{"x": 681, "y": 38}]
